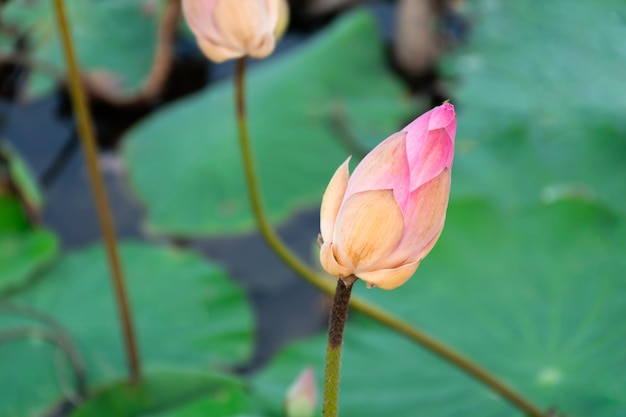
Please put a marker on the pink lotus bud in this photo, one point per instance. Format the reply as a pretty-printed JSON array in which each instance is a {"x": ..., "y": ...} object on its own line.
[
  {"x": 228, "y": 29},
  {"x": 379, "y": 223},
  {"x": 302, "y": 396}
]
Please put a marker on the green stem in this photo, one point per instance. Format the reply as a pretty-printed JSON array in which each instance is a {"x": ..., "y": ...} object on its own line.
[
  {"x": 336, "y": 326},
  {"x": 87, "y": 137},
  {"x": 326, "y": 284}
]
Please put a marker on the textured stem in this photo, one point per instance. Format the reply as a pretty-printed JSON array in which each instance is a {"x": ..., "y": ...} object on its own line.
[
  {"x": 336, "y": 326},
  {"x": 88, "y": 141},
  {"x": 326, "y": 283}
]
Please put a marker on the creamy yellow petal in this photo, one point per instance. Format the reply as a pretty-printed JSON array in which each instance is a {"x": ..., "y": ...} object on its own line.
[
  {"x": 329, "y": 263},
  {"x": 272, "y": 8},
  {"x": 331, "y": 202},
  {"x": 388, "y": 279},
  {"x": 243, "y": 24},
  {"x": 217, "y": 53},
  {"x": 282, "y": 21},
  {"x": 263, "y": 47},
  {"x": 369, "y": 226}
]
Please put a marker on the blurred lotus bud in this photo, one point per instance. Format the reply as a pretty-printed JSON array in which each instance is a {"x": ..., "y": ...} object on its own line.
[
  {"x": 417, "y": 45},
  {"x": 302, "y": 396},
  {"x": 228, "y": 29},
  {"x": 379, "y": 223}
]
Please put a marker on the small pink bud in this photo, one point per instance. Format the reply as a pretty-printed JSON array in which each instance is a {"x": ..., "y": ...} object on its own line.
[
  {"x": 379, "y": 223},
  {"x": 302, "y": 395},
  {"x": 228, "y": 29}
]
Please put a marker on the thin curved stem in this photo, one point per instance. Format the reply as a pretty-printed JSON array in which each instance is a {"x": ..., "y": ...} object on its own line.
[
  {"x": 327, "y": 284},
  {"x": 88, "y": 140}
]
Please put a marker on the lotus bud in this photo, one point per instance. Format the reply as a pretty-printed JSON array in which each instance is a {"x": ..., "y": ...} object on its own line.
[
  {"x": 302, "y": 396},
  {"x": 228, "y": 29},
  {"x": 380, "y": 222}
]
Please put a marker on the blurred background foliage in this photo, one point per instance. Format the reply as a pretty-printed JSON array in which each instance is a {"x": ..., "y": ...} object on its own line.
[{"x": 528, "y": 277}]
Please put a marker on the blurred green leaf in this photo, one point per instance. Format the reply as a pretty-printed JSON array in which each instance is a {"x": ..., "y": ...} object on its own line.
[
  {"x": 187, "y": 314},
  {"x": 170, "y": 394},
  {"x": 528, "y": 276},
  {"x": 113, "y": 37},
  {"x": 538, "y": 299},
  {"x": 22, "y": 254},
  {"x": 541, "y": 103},
  {"x": 24, "y": 14},
  {"x": 18, "y": 191},
  {"x": 23, "y": 250},
  {"x": 12, "y": 217},
  {"x": 18, "y": 18},
  {"x": 184, "y": 161}
]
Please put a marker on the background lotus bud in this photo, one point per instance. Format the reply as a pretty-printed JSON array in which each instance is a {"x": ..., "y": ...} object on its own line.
[
  {"x": 302, "y": 396},
  {"x": 379, "y": 223},
  {"x": 228, "y": 29}
]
